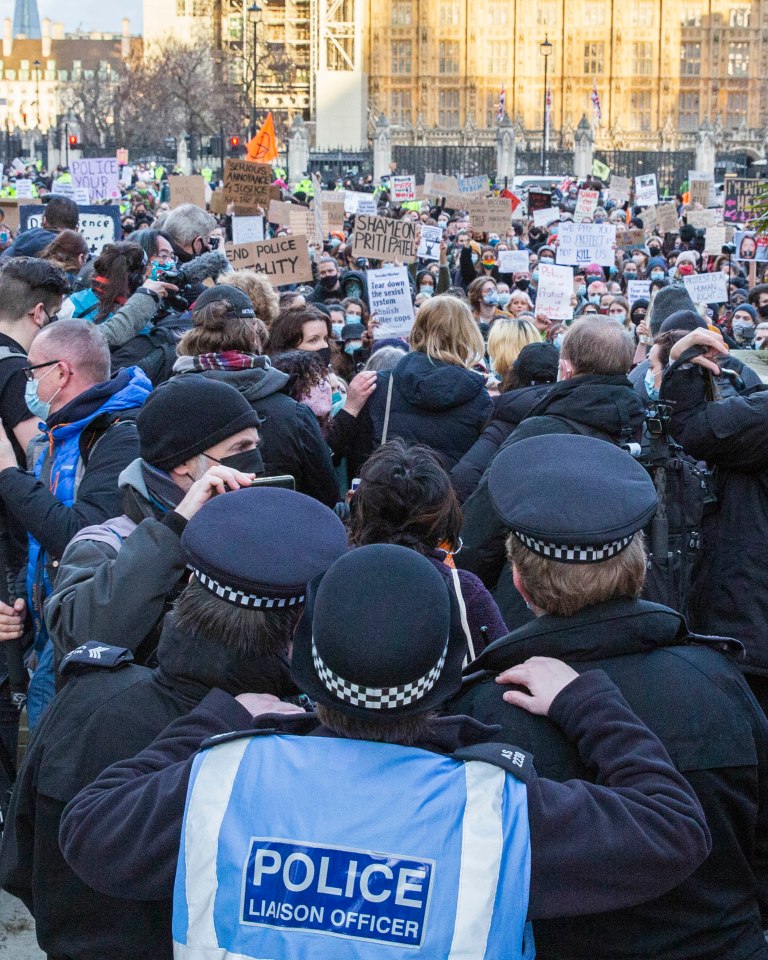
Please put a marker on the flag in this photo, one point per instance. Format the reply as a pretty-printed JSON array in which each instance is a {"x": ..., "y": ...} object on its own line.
[
  {"x": 595, "y": 98},
  {"x": 502, "y": 105},
  {"x": 263, "y": 147},
  {"x": 549, "y": 104},
  {"x": 513, "y": 199},
  {"x": 600, "y": 169}
]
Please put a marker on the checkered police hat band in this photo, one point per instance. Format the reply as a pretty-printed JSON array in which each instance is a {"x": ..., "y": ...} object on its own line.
[
  {"x": 574, "y": 554},
  {"x": 373, "y": 698},
  {"x": 250, "y": 600}
]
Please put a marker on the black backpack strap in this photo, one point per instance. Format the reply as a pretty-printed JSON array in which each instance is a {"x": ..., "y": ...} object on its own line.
[{"x": 512, "y": 759}]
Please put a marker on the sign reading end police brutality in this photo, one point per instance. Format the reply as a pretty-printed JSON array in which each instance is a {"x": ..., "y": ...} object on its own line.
[
  {"x": 383, "y": 898},
  {"x": 281, "y": 260},
  {"x": 384, "y": 239}
]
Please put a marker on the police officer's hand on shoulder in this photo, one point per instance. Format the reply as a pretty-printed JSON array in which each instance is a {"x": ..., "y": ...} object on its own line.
[{"x": 544, "y": 677}]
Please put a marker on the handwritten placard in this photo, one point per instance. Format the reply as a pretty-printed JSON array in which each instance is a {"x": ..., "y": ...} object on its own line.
[
  {"x": 513, "y": 261},
  {"x": 187, "y": 190},
  {"x": 740, "y": 197},
  {"x": 384, "y": 239},
  {"x": 99, "y": 175},
  {"x": 247, "y": 184},
  {"x": 403, "y": 189},
  {"x": 580, "y": 243},
  {"x": 282, "y": 260},
  {"x": 247, "y": 229},
  {"x": 706, "y": 287},
  {"x": 555, "y": 291}
]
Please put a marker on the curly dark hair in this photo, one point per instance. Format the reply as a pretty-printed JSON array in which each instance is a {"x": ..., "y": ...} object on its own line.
[
  {"x": 305, "y": 368},
  {"x": 405, "y": 497},
  {"x": 286, "y": 332}
]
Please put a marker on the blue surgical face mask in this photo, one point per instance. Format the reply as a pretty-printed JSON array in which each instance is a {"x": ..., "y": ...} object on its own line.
[
  {"x": 491, "y": 299},
  {"x": 650, "y": 384},
  {"x": 657, "y": 274},
  {"x": 337, "y": 402},
  {"x": 613, "y": 270},
  {"x": 595, "y": 298},
  {"x": 337, "y": 328},
  {"x": 427, "y": 288},
  {"x": 620, "y": 318},
  {"x": 581, "y": 290},
  {"x": 504, "y": 299},
  {"x": 535, "y": 276},
  {"x": 558, "y": 341},
  {"x": 351, "y": 346},
  {"x": 36, "y": 406}
]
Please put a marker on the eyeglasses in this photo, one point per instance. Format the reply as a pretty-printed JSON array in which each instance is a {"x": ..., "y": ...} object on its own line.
[{"x": 29, "y": 372}]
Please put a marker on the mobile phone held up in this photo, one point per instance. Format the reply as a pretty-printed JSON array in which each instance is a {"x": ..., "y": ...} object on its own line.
[{"x": 285, "y": 481}]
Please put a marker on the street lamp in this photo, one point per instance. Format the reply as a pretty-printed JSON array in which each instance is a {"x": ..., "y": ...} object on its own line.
[
  {"x": 253, "y": 12},
  {"x": 36, "y": 65},
  {"x": 546, "y": 50}
]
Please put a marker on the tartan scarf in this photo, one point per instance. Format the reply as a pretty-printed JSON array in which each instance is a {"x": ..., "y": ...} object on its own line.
[{"x": 229, "y": 360}]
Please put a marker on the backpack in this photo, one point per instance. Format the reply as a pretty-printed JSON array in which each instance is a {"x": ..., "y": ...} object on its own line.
[{"x": 153, "y": 350}]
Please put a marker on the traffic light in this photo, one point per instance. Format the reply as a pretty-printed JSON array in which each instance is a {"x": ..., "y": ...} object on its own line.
[
  {"x": 234, "y": 142},
  {"x": 73, "y": 141}
]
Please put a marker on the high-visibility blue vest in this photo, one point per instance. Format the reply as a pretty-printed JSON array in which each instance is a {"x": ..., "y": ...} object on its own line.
[{"x": 306, "y": 848}]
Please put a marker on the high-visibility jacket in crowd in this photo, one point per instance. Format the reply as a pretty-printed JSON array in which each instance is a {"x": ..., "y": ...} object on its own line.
[{"x": 291, "y": 847}]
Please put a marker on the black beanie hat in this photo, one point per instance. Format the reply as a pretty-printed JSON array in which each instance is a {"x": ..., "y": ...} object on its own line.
[
  {"x": 188, "y": 415},
  {"x": 683, "y": 320}
]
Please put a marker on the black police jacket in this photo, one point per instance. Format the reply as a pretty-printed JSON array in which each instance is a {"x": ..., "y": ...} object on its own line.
[
  {"x": 696, "y": 701},
  {"x": 109, "y": 710}
]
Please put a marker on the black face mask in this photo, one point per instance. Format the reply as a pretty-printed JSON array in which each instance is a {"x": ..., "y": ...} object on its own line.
[
  {"x": 325, "y": 353},
  {"x": 247, "y": 461},
  {"x": 522, "y": 284},
  {"x": 328, "y": 283},
  {"x": 763, "y": 311}
]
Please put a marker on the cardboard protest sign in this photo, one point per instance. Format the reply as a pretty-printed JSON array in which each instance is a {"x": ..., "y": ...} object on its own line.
[
  {"x": 279, "y": 212},
  {"x": 646, "y": 191},
  {"x": 24, "y": 189},
  {"x": 317, "y": 205},
  {"x": 359, "y": 203},
  {"x": 580, "y": 243},
  {"x": 187, "y": 190},
  {"x": 97, "y": 224},
  {"x": 247, "y": 184},
  {"x": 437, "y": 185},
  {"x": 282, "y": 260},
  {"x": 638, "y": 290},
  {"x": 219, "y": 203},
  {"x": 490, "y": 214},
  {"x": 706, "y": 287},
  {"x": 247, "y": 229},
  {"x": 649, "y": 218},
  {"x": 701, "y": 219},
  {"x": 543, "y": 218},
  {"x": 554, "y": 292},
  {"x": 99, "y": 175},
  {"x": 740, "y": 196},
  {"x": 699, "y": 189},
  {"x": 586, "y": 204},
  {"x": 11, "y": 206},
  {"x": 333, "y": 196},
  {"x": 513, "y": 261},
  {"x": 618, "y": 189},
  {"x": 389, "y": 293},
  {"x": 302, "y": 222},
  {"x": 750, "y": 247},
  {"x": 403, "y": 189},
  {"x": 333, "y": 216},
  {"x": 429, "y": 245},
  {"x": 384, "y": 239},
  {"x": 714, "y": 239},
  {"x": 477, "y": 186},
  {"x": 666, "y": 218}
]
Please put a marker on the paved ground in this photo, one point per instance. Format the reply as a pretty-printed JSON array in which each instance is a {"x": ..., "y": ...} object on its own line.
[{"x": 17, "y": 931}]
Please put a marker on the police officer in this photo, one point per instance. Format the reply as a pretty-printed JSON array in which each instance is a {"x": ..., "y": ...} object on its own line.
[
  {"x": 394, "y": 833},
  {"x": 581, "y": 568},
  {"x": 110, "y": 708}
]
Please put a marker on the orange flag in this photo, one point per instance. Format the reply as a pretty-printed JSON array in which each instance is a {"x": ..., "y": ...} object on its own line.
[{"x": 263, "y": 147}]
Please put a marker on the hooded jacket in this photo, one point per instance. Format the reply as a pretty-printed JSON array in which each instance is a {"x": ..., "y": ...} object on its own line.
[
  {"x": 509, "y": 409},
  {"x": 291, "y": 441},
  {"x": 101, "y": 716},
  {"x": 605, "y": 407},
  {"x": 691, "y": 695},
  {"x": 441, "y": 405}
]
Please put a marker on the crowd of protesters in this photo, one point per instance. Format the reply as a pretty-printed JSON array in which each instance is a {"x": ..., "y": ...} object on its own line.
[{"x": 340, "y": 644}]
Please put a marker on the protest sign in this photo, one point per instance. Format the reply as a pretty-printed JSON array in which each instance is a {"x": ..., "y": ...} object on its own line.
[
  {"x": 539, "y": 200},
  {"x": 121, "y": 155},
  {"x": 247, "y": 229},
  {"x": 649, "y": 218},
  {"x": 187, "y": 190},
  {"x": 699, "y": 188},
  {"x": 543, "y": 218},
  {"x": 17, "y": 165},
  {"x": 282, "y": 260},
  {"x": 333, "y": 196},
  {"x": 436, "y": 185},
  {"x": 706, "y": 287},
  {"x": 586, "y": 243},
  {"x": 333, "y": 216},
  {"x": 11, "y": 206},
  {"x": 126, "y": 176},
  {"x": 666, "y": 218},
  {"x": 99, "y": 175},
  {"x": 219, "y": 203},
  {"x": 246, "y": 183},
  {"x": 701, "y": 219},
  {"x": 586, "y": 204},
  {"x": 97, "y": 224},
  {"x": 638, "y": 290},
  {"x": 490, "y": 214},
  {"x": 554, "y": 292},
  {"x": 302, "y": 222},
  {"x": 359, "y": 203},
  {"x": 81, "y": 196},
  {"x": 630, "y": 239},
  {"x": 385, "y": 239},
  {"x": 429, "y": 245},
  {"x": 317, "y": 205},
  {"x": 24, "y": 189},
  {"x": 403, "y": 189},
  {"x": 646, "y": 193},
  {"x": 750, "y": 247},
  {"x": 477, "y": 186},
  {"x": 513, "y": 261},
  {"x": 740, "y": 196},
  {"x": 389, "y": 293},
  {"x": 714, "y": 239},
  {"x": 279, "y": 212},
  {"x": 619, "y": 188}
]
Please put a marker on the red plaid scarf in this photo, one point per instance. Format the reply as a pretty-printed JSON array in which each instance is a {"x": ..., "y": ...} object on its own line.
[{"x": 229, "y": 360}]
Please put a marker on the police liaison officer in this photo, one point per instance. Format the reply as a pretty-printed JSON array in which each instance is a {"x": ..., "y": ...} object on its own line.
[{"x": 390, "y": 831}]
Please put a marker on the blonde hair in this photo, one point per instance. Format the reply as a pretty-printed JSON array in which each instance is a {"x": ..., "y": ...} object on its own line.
[
  {"x": 446, "y": 330},
  {"x": 562, "y": 589},
  {"x": 507, "y": 338},
  {"x": 263, "y": 296}
]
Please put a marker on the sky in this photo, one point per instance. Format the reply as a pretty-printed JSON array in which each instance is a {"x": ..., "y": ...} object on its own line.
[{"x": 86, "y": 14}]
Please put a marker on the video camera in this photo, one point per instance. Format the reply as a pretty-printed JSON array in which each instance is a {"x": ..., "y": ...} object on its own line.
[{"x": 187, "y": 275}]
